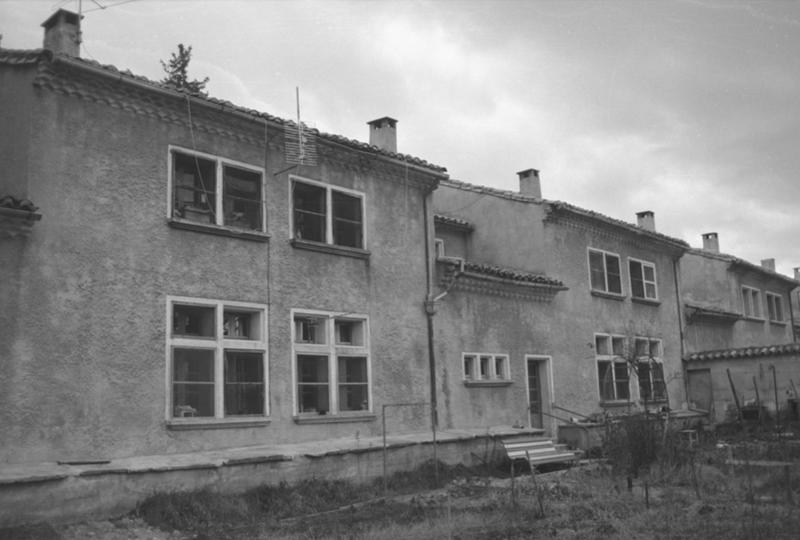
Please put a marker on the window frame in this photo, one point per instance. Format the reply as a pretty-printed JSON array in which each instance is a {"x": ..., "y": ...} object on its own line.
[
  {"x": 492, "y": 377},
  {"x": 614, "y": 359},
  {"x": 333, "y": 351},
  {"x": 651, "y": 359},
  {"x": 220, "y": 163},
  {"x": 605, "y": 254},
  {"x": 642, "y": 264},
  {"x": 775, "y": 309},
  {"x": 751, "y": 297},
  {"x": 329, "y": 218},
  {"x": 219, "y": 345}
]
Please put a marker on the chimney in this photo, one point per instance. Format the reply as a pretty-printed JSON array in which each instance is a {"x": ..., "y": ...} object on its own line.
[
  {"x": 797, "y": 273},
  {"x": 769, "y": 264},
  {"x": 529, "y": 183},
  {"x": 383, "y": 133},
  {"x": 711, "y": 242},
  {"x": 62, "y": 33},
  {"x": 646, "y": 220}
]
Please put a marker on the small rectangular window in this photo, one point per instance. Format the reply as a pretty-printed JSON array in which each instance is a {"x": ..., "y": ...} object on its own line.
[
  {"x": 775, "y": 307},
  {"x": 612, "y": 368},
  {"x": 193, "y": 321},
  {"x": 751, "y": 302},
  {"x": 604, "y": 272},
  {"x": 643, "y": 279},
  {"x": 349, "y": 332},
  {"x": 485, "y": 367},
  {"x": 310, "y": 330},
  {"x": 326, "y": 214}
]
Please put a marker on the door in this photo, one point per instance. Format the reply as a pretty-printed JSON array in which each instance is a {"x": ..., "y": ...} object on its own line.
[
  {"x": 699, "y": 383},
  {"x": 535, "y": 393}
]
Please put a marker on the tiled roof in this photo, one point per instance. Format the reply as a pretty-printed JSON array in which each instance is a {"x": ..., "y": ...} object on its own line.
[
  {"x": 736, "y": 261},
  {"x": 503, "y": 273},
  {"x": 486, "y": 190},
  {"x": 745, "y": 352},
  {"x": 10, "y": 56},
  {"x": 562, "y": 207},
  {"x": 697, "y": 310},
  {"x": 13, "y": 203},
  {"x": 455, "y": 222}
]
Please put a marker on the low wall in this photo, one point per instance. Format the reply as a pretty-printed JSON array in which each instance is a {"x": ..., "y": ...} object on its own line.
[{"x": 66, "y": 493}]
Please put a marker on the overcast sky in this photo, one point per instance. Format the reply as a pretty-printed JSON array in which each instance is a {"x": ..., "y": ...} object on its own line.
[{"x": 690, "y": 109}]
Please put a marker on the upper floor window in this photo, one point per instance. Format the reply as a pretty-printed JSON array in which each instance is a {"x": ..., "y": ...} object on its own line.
[
  {"x": 216, "y": 361},
  {"x": 643, "y": 279},
  {"x": 331, "y": 355},
  {"x": 650, "y": 369},
  {"x": 604, "y": 272},
  {"x": 212, "y": 190},
  {"x": 322, "y": 213},
  {"x": 751, "y": 302},
  {"x": 612, "y": 368},
  {"x": 775, "y": 307}
]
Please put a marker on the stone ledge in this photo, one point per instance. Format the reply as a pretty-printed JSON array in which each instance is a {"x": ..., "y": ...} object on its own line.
[
  {"x": 253, "y": 236},
  {"x": 331, "y": 249}
]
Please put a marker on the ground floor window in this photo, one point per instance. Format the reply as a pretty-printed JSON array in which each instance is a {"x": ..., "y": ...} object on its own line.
[
  {"x": 485, "y": 367},
  {"x": 650, "y": 369},
  {"x": 216, "y": 358},
  {"x": 612, "y": 368},
  {"x": 331, "y": 356}
]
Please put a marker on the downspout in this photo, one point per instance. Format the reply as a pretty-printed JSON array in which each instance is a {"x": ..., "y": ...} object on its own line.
[
  {"x": 679, "y": 303},
  {"x": 430, "y": 310},
  {"x": 791, "y": 316}
]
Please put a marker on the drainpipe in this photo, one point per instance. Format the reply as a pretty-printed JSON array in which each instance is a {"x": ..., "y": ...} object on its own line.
[
  {"x": 676, "y": 268},
  {"x": 430, "y": 309},
  {"x": 791, "y": 316}
]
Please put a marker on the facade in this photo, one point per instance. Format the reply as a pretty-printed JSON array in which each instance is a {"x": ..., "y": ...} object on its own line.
[
  {"x": 190, "y": 279},
  {"x": 583, "y": 308},
  {"x": 739, "y": 334}
]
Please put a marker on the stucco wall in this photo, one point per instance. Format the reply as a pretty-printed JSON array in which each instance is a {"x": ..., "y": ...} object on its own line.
[{"x": 84, "y": 373}]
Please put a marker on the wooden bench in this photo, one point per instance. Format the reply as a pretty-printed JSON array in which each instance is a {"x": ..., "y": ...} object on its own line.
[{"x": 539, "y": 451}]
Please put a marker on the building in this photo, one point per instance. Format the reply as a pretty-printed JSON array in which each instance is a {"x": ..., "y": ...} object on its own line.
[
  {"x": 739, "y": 332},
  {"x": 193, "y": 279},
  {"x": 549, "y": 311}
]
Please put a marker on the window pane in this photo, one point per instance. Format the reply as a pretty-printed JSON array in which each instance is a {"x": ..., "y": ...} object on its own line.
[
  {"x": 347, "y": 226},
  {"x": 597, "y": 271},
  {"x": 601, "y": 345},
  {"x": 612, "y": 268},
  {"x": 618, "y": 346},
  {"x": 310, "y": 330},
  {"x": 349, "y": 332},
  {"x": 239, "y": 324},
  {"x": 194, "y": 321},
  {"x": 192, "y": 382},
  {"x": 194, "y": 188},
  {"x": 309, "y": 212},
  {"x": 649, "y": 273},
  {"x": 606, "y": 380},
  {"x": 641, "y": 347},
  {"x": 484, "y": 366},
  {"x": 650, "y": 291},
  {"x": 312, "y": 376},
  {"x": 500, "y": 367},
  {"x": 748, "y": 310},
  {"x": 469, "y": 367},
  {"x": 637, "y": 285},
  {"x": 242, "y": 199},
  {"x": 353, "y": 395},
  {"x": 244, "y": 383}
]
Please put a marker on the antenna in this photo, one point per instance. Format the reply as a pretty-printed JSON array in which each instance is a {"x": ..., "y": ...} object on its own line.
[{"x": 301, "y": 143}]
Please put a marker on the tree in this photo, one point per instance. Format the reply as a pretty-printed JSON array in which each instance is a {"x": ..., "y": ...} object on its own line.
[{"x": 176, "y": 70}]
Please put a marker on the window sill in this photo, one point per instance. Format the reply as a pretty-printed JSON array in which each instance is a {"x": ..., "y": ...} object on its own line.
[
  {"x": 332, "y": 249},
  {"x": 617, "y": 403},
  {"x": 610, "y": 296},
  {"x": 504, "y": 382},
  {"x": 255, "y": 236},
  {"x": 754, "y": 319},
  {"x": 185, "y": 424},
  {"x": 334, "y": 418},
  {"x": 779, "y": 323},
  {"x": 645, "y": 301}
]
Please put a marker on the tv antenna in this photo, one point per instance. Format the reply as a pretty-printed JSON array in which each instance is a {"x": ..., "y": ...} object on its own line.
[{"x": 301, "y": 142}]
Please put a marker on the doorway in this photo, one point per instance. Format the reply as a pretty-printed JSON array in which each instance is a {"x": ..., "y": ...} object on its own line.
[
  {"x": 699, "y": 390},
  {"x": 538, "y": 390}
]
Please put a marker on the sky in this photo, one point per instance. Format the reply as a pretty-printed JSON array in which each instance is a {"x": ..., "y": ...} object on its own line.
[{"x": 690, "y": 109}]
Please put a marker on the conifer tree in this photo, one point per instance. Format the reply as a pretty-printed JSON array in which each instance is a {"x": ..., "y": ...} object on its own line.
[{"x": 177, "y": 72}]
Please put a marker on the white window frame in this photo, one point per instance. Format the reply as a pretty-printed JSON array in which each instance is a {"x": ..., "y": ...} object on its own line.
[
  {"x": 775, "y": 310},
  {"x": 613, "y": 358},
  {"x": 439, "y": 247},
  {"x": 220, "y": 163},
  {"x": 751, "y": 297},
  {"x": 606, "y": 255},
  {"x": 332, "y": 350},
  {"x": 219, "y": 344},
  {"x": 651, "y": 358},
  {"x": 329, "y": 189},
  {"x": 645, "y": 282},
  {"x": 492, "y": 374}
]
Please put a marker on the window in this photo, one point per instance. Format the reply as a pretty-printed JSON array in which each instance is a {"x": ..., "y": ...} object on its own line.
[
  {"x": 650, "y": 369},
  {"x": 643, "y": 279},
  {"x": 215, "y": 191},
  {"x": 332, "y": 363},
  {"x": 612, "y": 369},
  {"x": 329, "y": 215},
  {"x": 604, "y": 272},
  {"x": 216, "y": 359},
  {"x": 775, "y": 307},
  {"x": 751, "y": 300},
  {"x": 485, "y": 367}
]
